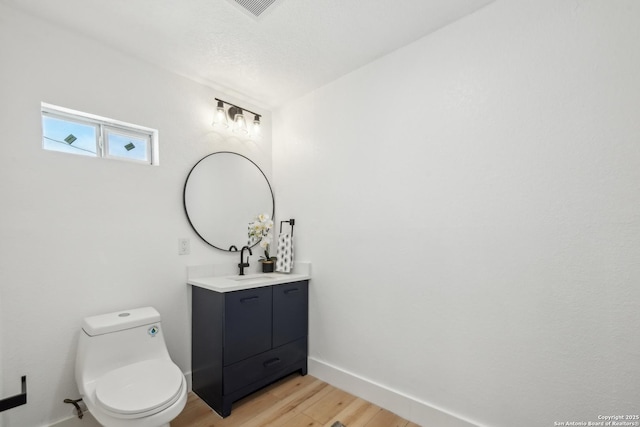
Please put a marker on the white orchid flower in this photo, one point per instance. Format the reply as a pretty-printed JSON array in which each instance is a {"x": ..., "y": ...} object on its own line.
[{"x": 260, "y": 230}]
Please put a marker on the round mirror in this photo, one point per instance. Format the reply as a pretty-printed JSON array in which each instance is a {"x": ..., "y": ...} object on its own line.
[{"x": 223, "y": 193}]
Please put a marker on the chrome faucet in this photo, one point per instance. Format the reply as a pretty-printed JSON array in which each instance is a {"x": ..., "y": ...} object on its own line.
[{"x": 243, "y": 264}]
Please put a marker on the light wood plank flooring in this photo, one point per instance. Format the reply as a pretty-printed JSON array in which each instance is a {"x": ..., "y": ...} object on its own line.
[{"x": 294, "y": 401}]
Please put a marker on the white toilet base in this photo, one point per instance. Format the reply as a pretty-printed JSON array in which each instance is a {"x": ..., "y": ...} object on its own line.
[{"x": 161, "y": 419}]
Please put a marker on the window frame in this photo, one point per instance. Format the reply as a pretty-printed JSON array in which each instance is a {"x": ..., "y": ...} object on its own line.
[
  {"x": 103, "y": 125},
  {"x": 110, "y": 129},
  {"x": 74, "y": 120}
]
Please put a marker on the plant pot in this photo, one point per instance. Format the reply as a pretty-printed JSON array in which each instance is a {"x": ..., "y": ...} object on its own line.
[{"x": 268, "y": 266}]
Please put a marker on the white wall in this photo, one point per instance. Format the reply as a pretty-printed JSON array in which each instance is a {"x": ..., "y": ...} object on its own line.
[
  {"x": 471, "y": 207},
  {"x": 2, "y": 395},
  {"x": 82, "y": 236}
]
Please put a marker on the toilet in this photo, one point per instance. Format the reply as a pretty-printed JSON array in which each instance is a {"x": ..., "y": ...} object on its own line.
[{"x": 124, "y": 372}]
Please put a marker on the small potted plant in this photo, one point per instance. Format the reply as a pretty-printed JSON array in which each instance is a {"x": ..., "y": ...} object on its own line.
[{"x": 260, "y": 231}]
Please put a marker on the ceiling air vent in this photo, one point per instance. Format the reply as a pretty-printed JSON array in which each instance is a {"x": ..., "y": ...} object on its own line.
[{"x": 254, "y": 8}]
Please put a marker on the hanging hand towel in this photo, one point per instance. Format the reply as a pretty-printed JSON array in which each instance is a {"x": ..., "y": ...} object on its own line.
[{"x": 284, "y": 264}]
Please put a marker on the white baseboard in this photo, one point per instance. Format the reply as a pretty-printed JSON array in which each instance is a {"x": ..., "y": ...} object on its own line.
[
  {"x": 86, "y": 421},
  {"x": 399, "y": 403},
  {"x": 188, "y": 377}
]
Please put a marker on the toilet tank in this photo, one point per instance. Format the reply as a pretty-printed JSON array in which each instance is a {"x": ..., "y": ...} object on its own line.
[{"x": 110, "y": 341}]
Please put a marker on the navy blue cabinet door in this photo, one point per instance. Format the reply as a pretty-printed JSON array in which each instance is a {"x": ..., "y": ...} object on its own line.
[
  {"x": 290, "y": 312},
  {"x": 247, "y": 324}
]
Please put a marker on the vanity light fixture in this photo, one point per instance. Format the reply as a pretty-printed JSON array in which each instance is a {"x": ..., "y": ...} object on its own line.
[
  {"x": 237, "y": 116},
  {"x": 220, "y": 116}
]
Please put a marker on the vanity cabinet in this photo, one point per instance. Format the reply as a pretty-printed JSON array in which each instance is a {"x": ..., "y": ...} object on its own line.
[{"x": 244, "y": 340}]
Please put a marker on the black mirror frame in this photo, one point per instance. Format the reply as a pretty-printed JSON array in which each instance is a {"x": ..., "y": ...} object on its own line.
[{"x": 184, "y": 197}]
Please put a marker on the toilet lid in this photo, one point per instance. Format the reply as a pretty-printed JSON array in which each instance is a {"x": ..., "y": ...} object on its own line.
[{"x": 140, "y": 387}]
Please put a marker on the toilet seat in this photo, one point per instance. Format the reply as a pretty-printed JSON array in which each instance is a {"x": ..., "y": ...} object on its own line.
[{"x": 140, "y": 389}]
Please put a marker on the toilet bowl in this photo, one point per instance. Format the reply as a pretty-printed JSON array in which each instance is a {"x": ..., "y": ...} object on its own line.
[{"x": 124, "y": 372}]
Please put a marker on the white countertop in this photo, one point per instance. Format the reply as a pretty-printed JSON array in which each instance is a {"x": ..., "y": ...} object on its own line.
[{"x": 216, "y": 277}]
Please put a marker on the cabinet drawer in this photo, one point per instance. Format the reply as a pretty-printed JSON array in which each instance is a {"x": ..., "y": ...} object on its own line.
[
  {"x": 248, "y": 371},
  {"x": 290, "y": 308},
  {"x": 247, "y": 324}
]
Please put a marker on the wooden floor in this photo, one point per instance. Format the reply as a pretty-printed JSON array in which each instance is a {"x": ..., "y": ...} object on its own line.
[{"x": 294, "y": 401}]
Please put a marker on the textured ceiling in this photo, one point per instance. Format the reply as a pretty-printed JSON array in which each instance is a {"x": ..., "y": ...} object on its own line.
[{"x": 294, "y": 47}]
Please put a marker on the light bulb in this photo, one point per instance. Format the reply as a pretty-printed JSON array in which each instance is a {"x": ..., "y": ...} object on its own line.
[
  {"x": 220, "y": 116},
  {"x": 240, "y": 123},
  {"x": 255, "y": 129}
]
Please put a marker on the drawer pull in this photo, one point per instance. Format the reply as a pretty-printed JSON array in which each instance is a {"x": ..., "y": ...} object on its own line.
[
  {"x": 291, "y": 291},
  {"x": 271, "y": 362},
  {"x": 249, "y": 299}
]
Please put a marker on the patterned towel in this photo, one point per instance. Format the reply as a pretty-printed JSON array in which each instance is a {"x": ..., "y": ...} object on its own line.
[{"x": 284, "y": 264}]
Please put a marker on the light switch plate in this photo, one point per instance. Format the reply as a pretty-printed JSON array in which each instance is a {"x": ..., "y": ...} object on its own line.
[{"x": 184, "y": 247}]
